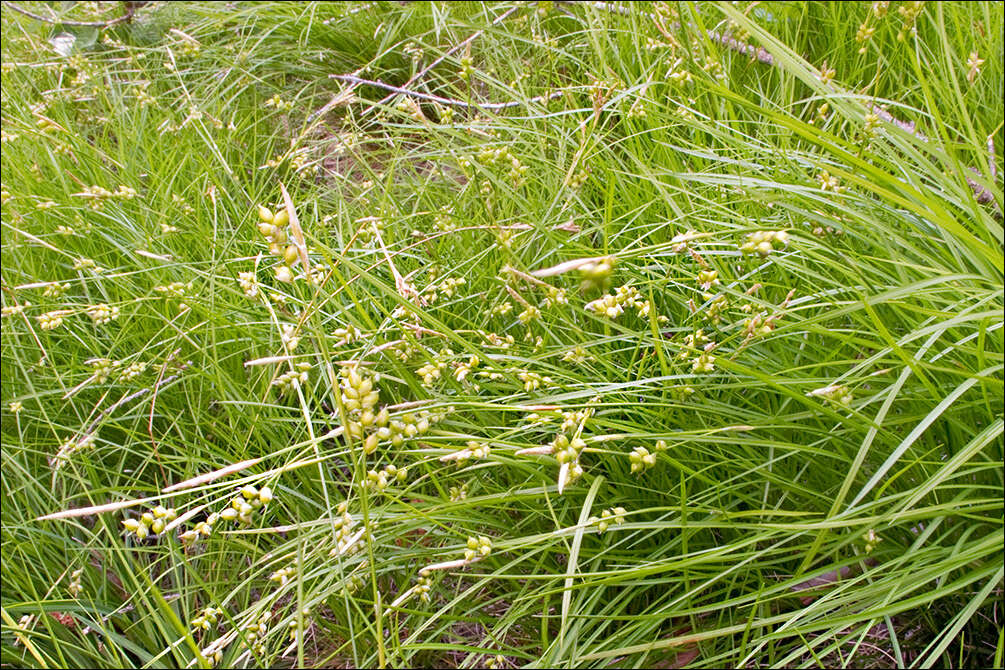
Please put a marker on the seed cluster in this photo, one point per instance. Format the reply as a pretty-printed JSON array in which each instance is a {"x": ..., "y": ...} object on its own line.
[
  {"x": 641, "y": 459},
  {"x": 836, "y": 394},
  {"x": 763, "y": 242},
  {"x": 51, "y": 320},
  {"x": 246, "y": 503},
  {"x": 343, "y": 525},
  {"x": 75, "y": 586},
  {"x": 254, "y": 633},
  {"x": 359, "y": 398},
  {"x": 532, "y": 381},
  {"x": 102, "y": 314},
  {"x": 422, "y": 586},
  {"x": 615, "y": 515},
  {"x": 473, "y": 449},
  {"x": 381, "y": 479},
  {"x": 207, "y": 618},
  {"x": 97, "y": 195},
  {"x": 152, "y": 522},
  {"x": 871, "y": 540},
  {"x": 293, "y": 624},
  {"x": 495, "y": 662},
  {"x": 293, "y": 379},
  {"x": 273, "y": 228},
  {"x": 613, "y": 305},
  {"x": 201, "y": 529},
  {"x": 283, "y": 575},
  {"x": 477, "y": 547}
]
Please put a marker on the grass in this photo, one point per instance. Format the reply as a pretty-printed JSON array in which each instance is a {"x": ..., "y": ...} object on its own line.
[{"x": 807, "y": 449}]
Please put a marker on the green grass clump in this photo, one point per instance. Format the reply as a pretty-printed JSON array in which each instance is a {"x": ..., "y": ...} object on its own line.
[{"x": 616, "y": 335}]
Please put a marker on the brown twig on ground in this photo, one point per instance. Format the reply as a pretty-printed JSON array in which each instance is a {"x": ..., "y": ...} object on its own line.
[
  {"x": 129, "y": 8},
  {"x": 353, "y": 79}
]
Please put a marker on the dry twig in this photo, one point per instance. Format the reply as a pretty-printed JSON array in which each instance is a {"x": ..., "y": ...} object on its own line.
[
  {"x": 353, "y": 79},
  {"x": 128, "y": 8}
]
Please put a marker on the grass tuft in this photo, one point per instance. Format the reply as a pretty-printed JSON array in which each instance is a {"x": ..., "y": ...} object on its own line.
[{"x": 502, "y": 334}]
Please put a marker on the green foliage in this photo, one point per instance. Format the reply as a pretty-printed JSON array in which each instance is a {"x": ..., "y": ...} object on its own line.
[{"x": 691, "y": 354}]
